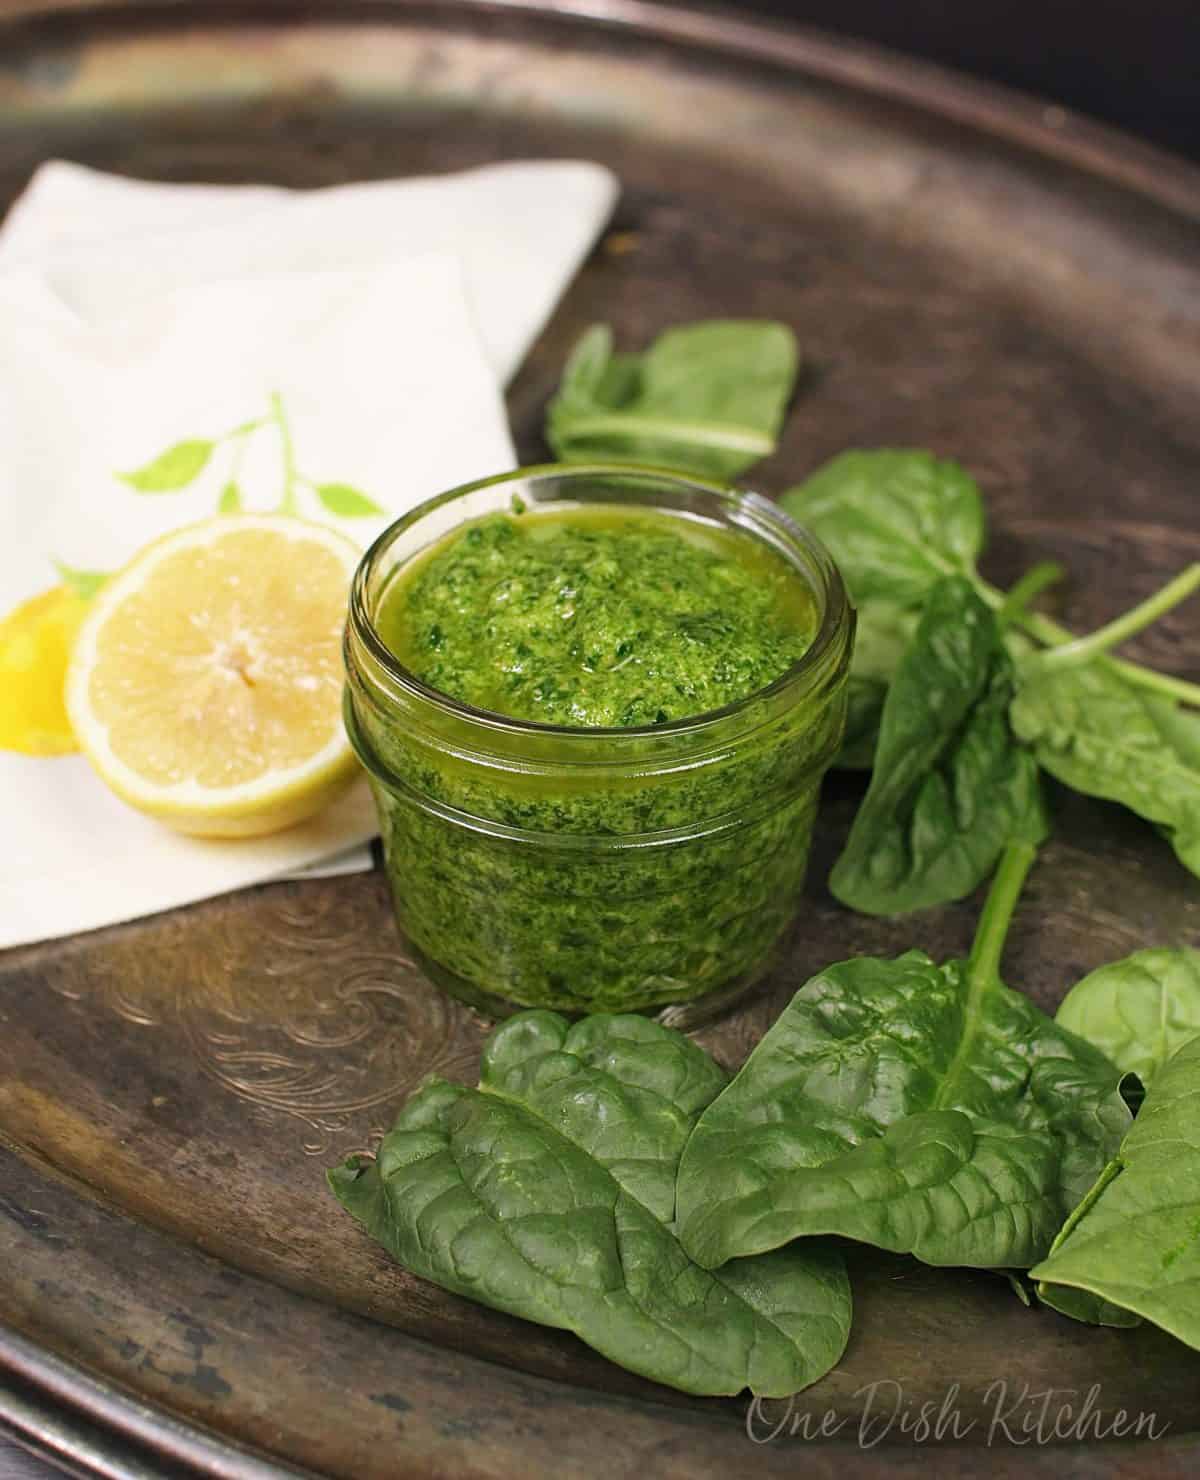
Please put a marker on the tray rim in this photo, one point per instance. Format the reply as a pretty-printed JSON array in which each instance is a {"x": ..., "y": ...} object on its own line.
[
  {"x": 1027, "y": 120},
  {"x": 68, "y": 1416},
  {"x": 89, "y": 1424}
]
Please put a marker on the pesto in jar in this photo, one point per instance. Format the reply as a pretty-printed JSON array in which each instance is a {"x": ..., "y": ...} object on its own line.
[
  {"x": 597, "y": 617},
  {"x": 650, "y": 847}
]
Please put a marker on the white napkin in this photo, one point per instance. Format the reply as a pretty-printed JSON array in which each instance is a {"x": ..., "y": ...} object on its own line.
[
  {"x": 519, "y": 230},
  {"x": 134, "y": 317}
]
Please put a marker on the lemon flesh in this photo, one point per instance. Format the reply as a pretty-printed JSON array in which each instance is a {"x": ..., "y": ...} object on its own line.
[{"x": 205, "y": 683}]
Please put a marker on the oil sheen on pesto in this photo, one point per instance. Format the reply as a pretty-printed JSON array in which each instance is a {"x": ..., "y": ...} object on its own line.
[{"x": 600, "y": 617}]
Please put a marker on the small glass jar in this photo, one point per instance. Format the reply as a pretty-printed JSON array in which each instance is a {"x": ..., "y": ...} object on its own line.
[{"x": 596, "y": 870}]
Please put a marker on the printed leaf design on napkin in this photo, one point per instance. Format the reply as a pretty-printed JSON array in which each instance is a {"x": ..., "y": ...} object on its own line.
[
  {"x": 179, "y": 466},
  {"x": 346, "y": 502},
  {"x": 84, "y": 583},
  {"x": 173, "y": 469}
]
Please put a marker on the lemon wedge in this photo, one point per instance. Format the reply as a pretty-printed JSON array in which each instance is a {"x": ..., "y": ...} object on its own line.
[
  {"x": 205, "y": 682},
  {"x": 35, "y": 643}
]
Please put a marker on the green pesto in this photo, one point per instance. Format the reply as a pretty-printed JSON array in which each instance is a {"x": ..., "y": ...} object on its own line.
[
  {"x": 573, "y": 911},
  {"x": 598, "y": 617}
]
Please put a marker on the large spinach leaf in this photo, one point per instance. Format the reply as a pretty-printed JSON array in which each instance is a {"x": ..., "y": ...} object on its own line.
[
  {"x": 1138, "y": 1011},
  {"x": 895, "y": 522},
  {"x": 884, "y": 629},
  {"x": 706, "y": 398},
  {"x": 547, "y": 1193},
  {"x": 951, "y": 787},
  {"x": 1100, "y": 734},
  {"x": 1135, "y": 1241},
  {"x": 925, "y": 1109}
]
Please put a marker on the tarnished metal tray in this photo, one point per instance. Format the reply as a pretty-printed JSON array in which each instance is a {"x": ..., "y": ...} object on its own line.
[{"x": 967, "y": 271}]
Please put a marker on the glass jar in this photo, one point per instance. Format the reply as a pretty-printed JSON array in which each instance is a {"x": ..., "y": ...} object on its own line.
[{"x": 596, "y": 870}]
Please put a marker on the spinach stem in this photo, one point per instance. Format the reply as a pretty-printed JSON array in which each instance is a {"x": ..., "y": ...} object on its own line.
[
  {"x": 988, "y": 945},
  {"x": 1030, "y": 586},
  {"x": 243, "y": 430},
  {"x": 1052, "y": 635},
  {"x": 1067, "y": 654},
  {"x": 1109, "y": 1174},
  {"x": 287, "y": 505},
  {"x": 983, "y": 965}
]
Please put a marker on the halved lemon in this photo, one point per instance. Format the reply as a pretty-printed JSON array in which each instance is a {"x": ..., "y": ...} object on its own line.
[{"x": 205, "y": 683}]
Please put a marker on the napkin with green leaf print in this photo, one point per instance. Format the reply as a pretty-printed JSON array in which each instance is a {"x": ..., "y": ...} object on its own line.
[{"x": 167, "y": 353}]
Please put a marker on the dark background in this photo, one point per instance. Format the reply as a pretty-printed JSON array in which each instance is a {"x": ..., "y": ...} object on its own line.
[{"x": 1132, "y": 63}]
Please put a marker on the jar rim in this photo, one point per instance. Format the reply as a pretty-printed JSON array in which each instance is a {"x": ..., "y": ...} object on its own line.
[{"x": 797, "y": 678}]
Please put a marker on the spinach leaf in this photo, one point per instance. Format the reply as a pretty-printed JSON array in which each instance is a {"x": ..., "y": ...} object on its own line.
[
  {"x": 547, "y": 1193},
  {"x": 924, "y": 1109},
  {"x": 864, "y": 710},
  {"x": 1099, "y": 734},
  {"x": 884, "y": 631},
  {"x": 706, "y": 398},
  {"x": 1138, "y": 1011},
  {"x": 1180, "y": 726},
  {"x": 623, "y": 1088},
  {"x": 950, "y": 786},
  {"x": 895, "y": 522},
  {"x": 1083, "y": 1305},
  {"x": 1135, "y": 1242}
]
